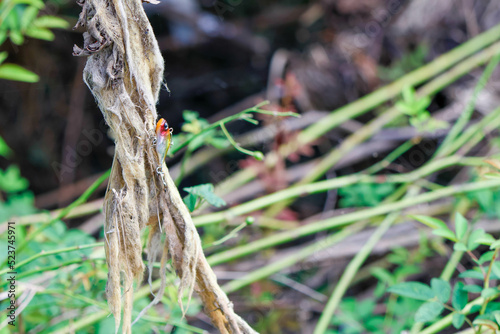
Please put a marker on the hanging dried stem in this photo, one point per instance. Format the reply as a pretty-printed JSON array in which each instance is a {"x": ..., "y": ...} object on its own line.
[{"x": 124, "y": 71}]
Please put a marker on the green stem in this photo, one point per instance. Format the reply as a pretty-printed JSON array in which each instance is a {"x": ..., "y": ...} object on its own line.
[
  {"x": 64, "y": 212},
  {"x": 258, "y": 155},
  {"x": 441, "y": 324},
  {"x": 350, "y": 272},
  {"x": 56, "y": 251},
  {"x": 327, "y": 185},
  {"x": 467, "y": 113},
  {"x": 346, "y": 219},
  {"x": 390, "y": 115},
  {"x": 290, "y": 260},
  {"x": 255, "y": 109}
]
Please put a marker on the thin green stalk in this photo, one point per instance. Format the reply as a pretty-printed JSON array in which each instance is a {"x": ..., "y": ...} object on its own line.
[
  {"x": 327, "y": 185},
  {"x": 384, "y": 163},
  {"x": 349, "y": 273},
  {"x": 445, "y": 322},
  {"x": 240, "y": 115},
  {"x": 467, "y": 113},
  {"x": 346, "y": 219},
  {"x": 390, "y": 115},
  {"x": 290, "y": 260},
  {"x": 80, "y": 200},
  {"x": 55, "y": 251}
]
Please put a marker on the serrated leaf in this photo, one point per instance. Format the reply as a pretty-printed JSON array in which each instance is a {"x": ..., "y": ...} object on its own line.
[
  {"x": 17, "y": 73},
  {"x": 441, "y": 289},
  {"x": 458, "y": 320},
  {"x": 445, "y": 233},
  {"x": 206, "y": 192},
  {"x": 460, "y": 297},
  {"x": 48, "y": 21},
  {"x": 428, "y": 311},
  {"x": 40, "y": 33},
  {"x": 489, "y": 292},
  {"x": 461, "y": 226},
  {"x": 415, "y": 290},
  {"x": 432, "y": 222}
]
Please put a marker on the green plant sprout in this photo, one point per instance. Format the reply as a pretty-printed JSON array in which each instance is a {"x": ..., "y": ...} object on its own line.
[{"x": 416, "y": 109}]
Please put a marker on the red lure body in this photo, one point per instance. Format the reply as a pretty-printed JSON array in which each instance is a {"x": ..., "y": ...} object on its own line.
[{"x": 163, "y": 138}]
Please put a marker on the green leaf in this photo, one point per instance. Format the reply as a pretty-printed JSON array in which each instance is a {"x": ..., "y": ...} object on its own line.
[
  {"x": 5, "y": 150},
  {"x": 441, "y": 289},
  {"x": 11, "y": 180},
  {"x": 457, "y": 320},
  {"x": 190, "y": 201},
  {"x": 206, "y": 192},
  {"x": 16, "y": 37},
  {"x": 495, "y": 245},
  {"x": 496, "y": 314},
  {"x": 408, "y": 94},
  {"x": 445, "y": 233},
  {"x": 40, "y": 33},
  {"x": 48, "y": 21},
  {"x": 460, "y": 297},
  {"x": 471, "y": 274},
  {"x": 17, "y": 73},
  {"x": 432, "y": 222},
  {"x": 486, "y": 239},
  {"x": 489, "y": 292},
  {"x": 461, "y": 226},
  {"x": 495, "y": 267},
  {"x": 459, "y": 246},
  {"x": 3, "y": 56},
  {"x": 488, "y": 256},
  {"x": 472, "y": 242},
  {"x": 383, "y": 275},
  {"x": 415, "y": 290},
  {"x": 472, "y": 288},
  {"x": 3, "y": 35},
  {"x": 422, "y": 103},
  {"x": 428, "y": 311},
  {"x": 405, "y": 108},
  {"x": 29, "y": 15}
]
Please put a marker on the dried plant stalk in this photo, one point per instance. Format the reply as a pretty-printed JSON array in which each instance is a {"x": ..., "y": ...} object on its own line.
[{"x": 124, "y": 71}]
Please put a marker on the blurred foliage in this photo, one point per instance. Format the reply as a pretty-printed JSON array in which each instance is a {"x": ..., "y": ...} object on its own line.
[{"x": 20, "y": 18}]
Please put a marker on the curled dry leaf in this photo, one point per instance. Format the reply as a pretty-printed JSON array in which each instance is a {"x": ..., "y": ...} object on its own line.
[{"x": 124, "y": 72}]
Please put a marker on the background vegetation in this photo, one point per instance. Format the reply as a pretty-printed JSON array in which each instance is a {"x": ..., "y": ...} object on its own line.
[{"x": 375, "y": 211}]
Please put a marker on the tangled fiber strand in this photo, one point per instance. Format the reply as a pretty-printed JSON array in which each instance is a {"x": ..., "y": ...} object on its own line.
[{"x": 124, "y": 72}]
